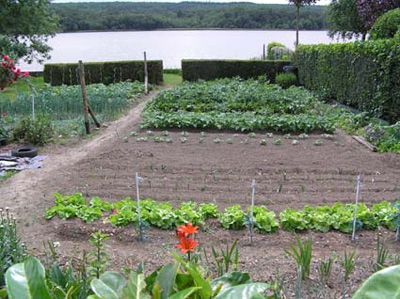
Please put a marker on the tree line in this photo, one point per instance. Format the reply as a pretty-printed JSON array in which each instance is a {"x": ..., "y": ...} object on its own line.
[{"x": 186, "y": 15}]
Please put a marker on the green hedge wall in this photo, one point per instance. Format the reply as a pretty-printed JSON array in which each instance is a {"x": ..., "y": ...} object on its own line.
[
  {"x": 103, "y": 72},
  {"x": 362, "y": 75},
  {"x": 193, "y": 70}
]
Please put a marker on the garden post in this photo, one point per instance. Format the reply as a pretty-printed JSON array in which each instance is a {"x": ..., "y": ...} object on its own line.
[
  {"x": 146, "y": 75},
  {"x": 84, "y": 96},
  {"x": 353, "y": 237}
]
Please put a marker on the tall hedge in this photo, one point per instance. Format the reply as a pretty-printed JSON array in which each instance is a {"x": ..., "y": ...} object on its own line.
[
  {"x": 103, "y": 72},
  {"x": 364, "y": 75},
  {"x": 193, "y": 70}
]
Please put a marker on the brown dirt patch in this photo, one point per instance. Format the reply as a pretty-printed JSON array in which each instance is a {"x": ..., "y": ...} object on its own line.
[{"x": 286, "y": 176}]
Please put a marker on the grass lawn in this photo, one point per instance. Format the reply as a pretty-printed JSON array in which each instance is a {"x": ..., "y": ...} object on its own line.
[{"x": 172, "y": 79}]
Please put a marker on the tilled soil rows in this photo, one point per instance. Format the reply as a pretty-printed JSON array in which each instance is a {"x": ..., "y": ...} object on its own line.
[{"x": 201, "y": 169}]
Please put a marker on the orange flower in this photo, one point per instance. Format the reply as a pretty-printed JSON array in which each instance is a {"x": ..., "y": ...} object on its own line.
[
  {"x": 187, "y": 245},
  {"x": 187, "y": 230}
]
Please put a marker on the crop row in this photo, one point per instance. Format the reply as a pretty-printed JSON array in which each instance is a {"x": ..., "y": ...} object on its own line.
[
  {"x": 234, "y": 104},
  {"x": 338, "y": 217}
]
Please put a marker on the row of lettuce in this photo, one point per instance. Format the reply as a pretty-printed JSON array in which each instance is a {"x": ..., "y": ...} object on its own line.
[{"x": 338, "y": 217}]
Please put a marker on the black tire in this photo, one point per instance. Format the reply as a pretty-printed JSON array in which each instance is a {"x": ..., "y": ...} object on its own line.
[{"x": 25, "y": 152}]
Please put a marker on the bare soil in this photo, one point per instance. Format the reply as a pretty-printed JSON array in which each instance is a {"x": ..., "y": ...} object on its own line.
[{"x": 205, "y": 171}]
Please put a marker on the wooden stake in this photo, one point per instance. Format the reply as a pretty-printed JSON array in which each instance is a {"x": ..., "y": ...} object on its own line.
[
  {"x": 138, "y": 179},
  {"x": 263, "y": 51},
  {"x": 353, "y": 237},
  {"x": 84, "y": 97},
  {"x": 253, "y": 193},
  {"x": 94, "y": 117},
  {"x": 146, "y": 75}
]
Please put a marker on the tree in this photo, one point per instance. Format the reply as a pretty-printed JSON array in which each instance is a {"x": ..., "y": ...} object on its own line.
[
  {"x": 344, "y": 20},
  {"x": 25, "y": 27},
  {"x": 370, "y": 10},
  {"x": 299, "y": 4}
]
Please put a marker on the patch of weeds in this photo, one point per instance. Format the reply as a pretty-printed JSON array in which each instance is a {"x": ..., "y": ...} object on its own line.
[
  {"x": 8, "y": 174},
  {"x": 165, "y": 133},
  {"x": 318, "y": 142},
  {"x": 185, "y": 134},
  {"x": 133, "y": 133},
  {"x": 202, "y": 134},
  {"x": 295, "y": 142},
  {"x": 277, "y": 142},
  {"x": 183, "y": 139},
  {"x": 303, "y": 136},
  {"x": 149, "y": 133},
  {"x": 269, "y": 135},
  {"x": 252, "y": 135},
  {"x": 142, "y": 139},
  {"x": 287, "y": 136},
  {"x": 217, "y": 140},
  {"x": 263, "y": 142}
]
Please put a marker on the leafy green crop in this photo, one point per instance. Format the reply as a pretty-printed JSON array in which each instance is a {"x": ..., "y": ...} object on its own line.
[
  {"x": 237, "y": 105},
  {"x": 338, "y": 217},
  {"x": 233, "y": 218}
]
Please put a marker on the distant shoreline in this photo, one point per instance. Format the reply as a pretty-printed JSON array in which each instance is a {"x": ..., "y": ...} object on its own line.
[{"x": 185, "y": 29}]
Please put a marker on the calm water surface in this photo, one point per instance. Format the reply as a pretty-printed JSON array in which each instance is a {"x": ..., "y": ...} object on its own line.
[{"x": 169, "y": 46}]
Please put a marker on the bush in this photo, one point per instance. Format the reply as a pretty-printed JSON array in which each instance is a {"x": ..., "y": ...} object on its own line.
[
  {"x": 37, "y": 132},
  {"x": 193, "y": 70},
  {"x": 386, "y": 25},
  {"x": 103, "y": 72},
  {"x": 285, "y": 80},
  {"x": 278, "y": 51},
  {"x": 363, "y": 75}
]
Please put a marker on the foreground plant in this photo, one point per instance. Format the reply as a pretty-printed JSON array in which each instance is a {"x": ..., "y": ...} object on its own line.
[
  {"x": 187, "y": 243},
  {"x": 302, "y": 255}
]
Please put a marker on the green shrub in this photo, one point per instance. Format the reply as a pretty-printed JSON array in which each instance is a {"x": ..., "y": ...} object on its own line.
[
  {"x": 37, "y": 132},
  {"x": 363, "y": 75},
  {"x": 270, "y": 54},
  {"x": 286, "y": 80},
  {"x": 193, "y": 70},
  {"x": 103, "y": 72},
  {"x": 278, "y": 51},
  {"x": 386, "y": 25}
]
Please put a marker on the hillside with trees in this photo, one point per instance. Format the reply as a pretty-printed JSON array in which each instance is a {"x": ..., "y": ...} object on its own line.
[{"x": 149, "y": 16}]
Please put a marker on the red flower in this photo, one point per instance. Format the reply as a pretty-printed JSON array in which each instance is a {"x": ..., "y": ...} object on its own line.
[
  {"x": 187, "y": 230},
  {"x": 25, "y": 75},
  {"x": 187, "y": 245}
]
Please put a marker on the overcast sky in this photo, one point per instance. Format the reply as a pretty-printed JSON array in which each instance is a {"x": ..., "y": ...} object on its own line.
[{"x": 321, "y": 2}]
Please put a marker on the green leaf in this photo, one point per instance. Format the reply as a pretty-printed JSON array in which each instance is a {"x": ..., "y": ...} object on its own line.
[
  {"x": 109, "y": 285},
  {"x": 166, "y": 279},
  {"x": 27, "y": 280},
  {"x": 3, "y": 293},
  {"x": 382, "y": 284},
  {"x": 244, "y": 291},
  {"x": 230, "y": 280},
  {"x": 184, "y": 293},
  {"x": 135, "y": 288},
  {"x": 206, "y": 290}
]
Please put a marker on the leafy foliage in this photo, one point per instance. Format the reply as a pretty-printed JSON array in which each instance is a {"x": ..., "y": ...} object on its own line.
[
  {"x": 150, "y": 16},
  {"x": 344, "y": 20},
  {"x": 386, "y": 25},
  {"x": 370, "y": 10},
  {"x": 38, "y": 131},
  {"x": 286, "y": 80},
  {"x": 235, "y": 105},
  {"x": 25, "y": 27},
  {"x": 337, "y": 217},
  {"x": 361, "y": 75}
]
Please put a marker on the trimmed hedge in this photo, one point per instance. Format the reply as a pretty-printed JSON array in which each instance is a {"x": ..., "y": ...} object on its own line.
[
  {"x": 193, "y": 70},
  {"x": 362, "y": 75},
  {"x": 103, "y": 72}
]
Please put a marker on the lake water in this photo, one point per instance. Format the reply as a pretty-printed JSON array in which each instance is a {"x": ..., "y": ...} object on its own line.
[{"x": 169, "y": 46}]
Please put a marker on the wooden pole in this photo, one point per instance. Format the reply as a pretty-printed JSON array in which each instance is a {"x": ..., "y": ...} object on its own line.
[
  {"x": 263, "y": 51},
  {"x": 94, "y": 117},
  {"x": 146, "y": 75},
  {"x": 84, "y": 97}
]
